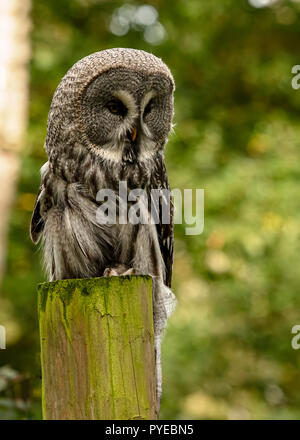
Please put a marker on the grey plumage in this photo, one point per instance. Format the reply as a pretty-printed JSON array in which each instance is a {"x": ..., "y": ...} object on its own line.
[{"x": 90, "y": 146}]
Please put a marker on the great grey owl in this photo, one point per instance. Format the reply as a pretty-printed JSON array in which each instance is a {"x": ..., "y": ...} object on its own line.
[{"x": 109, "y": 122}]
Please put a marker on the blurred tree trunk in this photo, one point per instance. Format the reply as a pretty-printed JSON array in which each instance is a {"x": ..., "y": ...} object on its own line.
[{"x": 14, "y": 79}]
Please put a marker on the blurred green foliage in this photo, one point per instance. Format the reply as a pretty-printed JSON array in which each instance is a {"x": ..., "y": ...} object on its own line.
[{"x": 227, "y": 352}]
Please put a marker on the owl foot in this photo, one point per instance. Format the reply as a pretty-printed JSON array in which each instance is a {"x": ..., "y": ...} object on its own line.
[
  {"x": 110, "y": 272},
  {"x": 120, "y": 269},
  {"x": 130, "y": 271}
]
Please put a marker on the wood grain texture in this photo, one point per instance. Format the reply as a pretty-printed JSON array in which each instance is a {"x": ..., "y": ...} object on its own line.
[{"x": 97, "y": 348}]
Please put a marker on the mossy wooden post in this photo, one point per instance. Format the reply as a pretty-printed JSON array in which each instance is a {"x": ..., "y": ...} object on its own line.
[{"x": 97, "y": 348}]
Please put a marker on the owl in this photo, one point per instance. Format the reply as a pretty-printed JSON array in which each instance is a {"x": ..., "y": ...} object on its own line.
[{"x": 109, "y": 121}]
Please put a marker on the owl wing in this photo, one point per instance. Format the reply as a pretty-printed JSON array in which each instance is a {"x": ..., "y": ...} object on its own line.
[
  {"x": 166, "y": 241},
  {"x": 165, "y": 232},
  {"x": 37, "y": 223}
]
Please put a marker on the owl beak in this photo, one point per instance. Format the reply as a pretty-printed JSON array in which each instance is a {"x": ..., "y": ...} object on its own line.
[{"x": 132, "y": 135}]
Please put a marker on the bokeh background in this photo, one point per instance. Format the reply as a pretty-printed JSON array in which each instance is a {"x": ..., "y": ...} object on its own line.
[{"x": 227, "y": 352}]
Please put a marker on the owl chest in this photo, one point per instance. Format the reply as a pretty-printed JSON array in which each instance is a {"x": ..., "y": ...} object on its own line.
[{"x": 135, "y": 175}]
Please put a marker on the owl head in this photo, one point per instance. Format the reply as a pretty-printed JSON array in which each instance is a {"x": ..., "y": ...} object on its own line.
[{"x": 117, "y": 103}]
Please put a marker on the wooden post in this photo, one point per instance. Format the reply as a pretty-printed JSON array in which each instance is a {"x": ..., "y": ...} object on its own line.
[{"x": 97, "y": 349}]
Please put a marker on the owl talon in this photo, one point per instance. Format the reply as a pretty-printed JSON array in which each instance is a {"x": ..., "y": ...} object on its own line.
[
  {"x": 119, "y": 271},
  {"x": 130, "y": 271},
  {"x": 110, "y": 272}
]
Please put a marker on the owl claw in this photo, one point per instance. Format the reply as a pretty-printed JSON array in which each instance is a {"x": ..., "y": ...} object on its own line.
[
  {"x": 130, "y": 271},
  {"x": 110, "y": 272},
  {"x": 119, "y": 271}
]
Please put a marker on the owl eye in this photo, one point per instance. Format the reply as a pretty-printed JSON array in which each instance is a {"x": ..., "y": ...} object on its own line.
[
  {"x": 116, "y": 107},
  {"x": 148, "y": 107}
]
